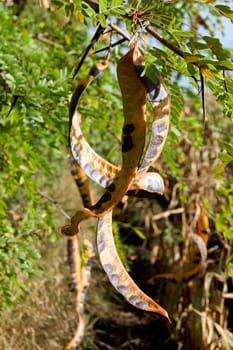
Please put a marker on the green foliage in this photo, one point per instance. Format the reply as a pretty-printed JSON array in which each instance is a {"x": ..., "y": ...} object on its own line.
[
  {"x": 33, "y": 98},
  {"x": 224, "y": 217},
  {"x": 38, "y": 53},
  {"x": 225, "y": 157},
  {"x": 121, "y": 249}
]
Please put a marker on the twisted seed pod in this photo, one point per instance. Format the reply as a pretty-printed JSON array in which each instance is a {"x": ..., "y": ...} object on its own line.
[
  {"x": 80, "y": 270},
  {"x": 80, "y": 179},
  {"x": 199, "y": 235},
  {"x": 107, "y": 175},
  {"x": 160, "y": 102},
  {"x": 116, "y": 272},
  {"x": 81, "y": 275},
  {"x": 133, "y": 140},
  {"x": 102, "y": 171}
]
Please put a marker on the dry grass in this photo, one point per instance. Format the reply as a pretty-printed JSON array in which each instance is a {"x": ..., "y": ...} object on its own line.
[
  {"x": 47, "y": 319},
  {"x": 40, "y": 321}
]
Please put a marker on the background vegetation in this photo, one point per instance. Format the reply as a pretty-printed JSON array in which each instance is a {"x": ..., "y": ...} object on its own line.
[{"x": 40, "y": 46}]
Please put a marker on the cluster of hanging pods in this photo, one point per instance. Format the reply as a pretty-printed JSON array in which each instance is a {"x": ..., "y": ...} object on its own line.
[{"x": 133, "y": 174}]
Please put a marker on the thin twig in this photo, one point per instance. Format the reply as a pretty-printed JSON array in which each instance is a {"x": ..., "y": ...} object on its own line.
[
  {"x": 55, "y": 203},
  {"x": 119, "y": 31},
  {"x": 167, "y": 213},
  {"x": 228, "y": 295},
  {"x": 95, "y": 38},
  {"x": 166, "y": 43},
  {"x": 41, "y": 38},
  {"x": 107, "y": 47},
  {"x": 224, "y": 80},
  {"x": 15, "y": 99},
  {"x": 203, "y": 96},
  {"x": 94, "y": 4}
]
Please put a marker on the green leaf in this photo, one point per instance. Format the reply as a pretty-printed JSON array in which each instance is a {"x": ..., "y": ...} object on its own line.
[
  {"x": 227, "y": 147},
  {"x": 175, "y": 131},
  {"x": 115, "y": 3},
  {"x": 151, "y": 72},
  {"x": 171, "y": 24},
  {"x": 224, "y": 10},
  {"x": 139, "y": 232},
  {"x": 215, "y": 46},
  {"x": 78, "y": 5},
  {"x": 120, "y": 246},
  {"x": 197, "y": 45},
  {"x": 226, "y": 64},
  {"x": 88, "y": 12},
  {"x": 212, "y": 42},
  {"x": 102, "y": 19},
  {"x": 69, "y": 8},
  {"x": 182, "y": 33},
  {"x": 103, "y": 5},
  {"x": 59, "y": 3},
  {"x": 226, "y": 158}
]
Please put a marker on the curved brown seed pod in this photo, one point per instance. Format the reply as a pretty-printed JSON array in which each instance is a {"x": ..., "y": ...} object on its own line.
[
  {"x": 94, "y": 166},
  {"x": 103, "y": 172},
  {"x": 200, "y": 224},
  {"x": 116, "y": 272},
  {"x": 157, "y": 94},
  {"x": 133, "y": 140},
  {"x": 80, "y": 179},
  {"x": 199, "y": 235},
  {"x": 161, "y": 107},
  {"x": 99, "y": 170},
  {"x": 94, "y": 72},
  {"x": 80, "y": 270},
  {"x": 74, "y": 262},
  {"x": 81, "y": 274}
]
